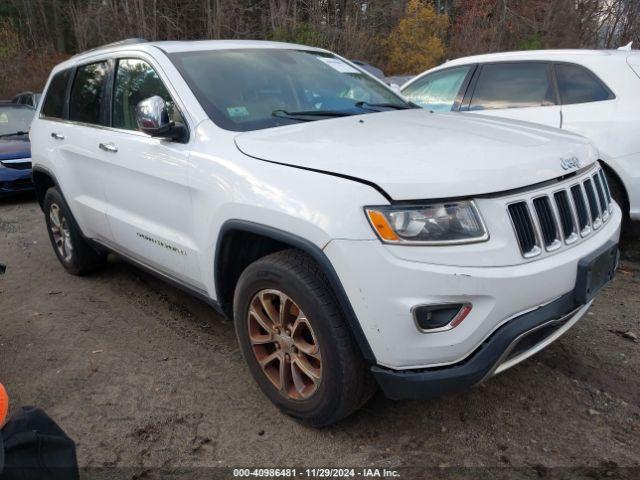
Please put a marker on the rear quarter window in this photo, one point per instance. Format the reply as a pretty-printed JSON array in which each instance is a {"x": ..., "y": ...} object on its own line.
[
  {"x": 579, "y": 85},
  {"x": 53, "y": 105}
]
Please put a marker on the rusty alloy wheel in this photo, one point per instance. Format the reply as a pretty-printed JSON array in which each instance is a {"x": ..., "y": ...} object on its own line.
[{"x": 284, "y": 344}]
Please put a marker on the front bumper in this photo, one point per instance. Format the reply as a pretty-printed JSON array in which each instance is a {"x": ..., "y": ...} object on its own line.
[
  {"x": 383, "y": 288},
  {"x": 513, "y": 342},
  {"x": 510, "y": 344},
  {"x": 14, "y": 180}
]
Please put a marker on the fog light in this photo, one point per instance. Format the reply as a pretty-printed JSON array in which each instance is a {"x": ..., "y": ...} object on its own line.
[{"x": 438, "y": 318}]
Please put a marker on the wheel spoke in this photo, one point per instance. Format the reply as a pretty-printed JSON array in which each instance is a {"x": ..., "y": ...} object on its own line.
[
  {"x": 284, "y": 377},
  {"x": 270, "y": 358},
  {"x": 268, "y": 307},
  {"x": 305, "y": 367},
  {"x": 261, "y": 339},
  {"x": 298, "y": 382},
  {"x": 54, "y": 216},
  {"x": 300, "y": 327},
  {"x": 263, "y": 320},
  {"x": 285, "y": 305}
]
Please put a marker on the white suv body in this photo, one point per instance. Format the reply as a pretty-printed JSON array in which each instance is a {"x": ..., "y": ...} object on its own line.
[
  {"x": 590, "y": 92},
  {"x": 438, "y": 240}
]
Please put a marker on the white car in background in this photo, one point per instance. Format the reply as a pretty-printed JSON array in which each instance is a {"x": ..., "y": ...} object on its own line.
[{"x": 594, "y": 93}]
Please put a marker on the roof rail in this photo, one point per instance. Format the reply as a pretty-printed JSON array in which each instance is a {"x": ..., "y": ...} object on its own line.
[{"x": 127, "y": 41}]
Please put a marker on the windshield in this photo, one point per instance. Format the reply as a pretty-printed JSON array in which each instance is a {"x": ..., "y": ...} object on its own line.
[
  {"x": 14, "y": 120},
  {"x": 251, "y": 89}
]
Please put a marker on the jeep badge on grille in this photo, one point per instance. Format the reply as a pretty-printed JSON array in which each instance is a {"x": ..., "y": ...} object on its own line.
[{"x": 569, "y": 163}]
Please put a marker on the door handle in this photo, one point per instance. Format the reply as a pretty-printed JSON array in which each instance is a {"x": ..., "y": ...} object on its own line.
[
  {"x": 108, "y": 147},
  {"x": 57, "y": 136}
]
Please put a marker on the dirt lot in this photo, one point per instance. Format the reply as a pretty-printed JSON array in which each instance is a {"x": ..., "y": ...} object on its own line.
[{"x": 142, "y": 375}]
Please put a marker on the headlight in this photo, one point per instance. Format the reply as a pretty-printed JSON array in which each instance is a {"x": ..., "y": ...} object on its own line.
[{"x": 432, "y": 224}]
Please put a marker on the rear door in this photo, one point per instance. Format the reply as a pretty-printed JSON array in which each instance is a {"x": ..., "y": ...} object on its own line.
[
  {"x": 80, "y": 155},
  {"x": 145, "y": 180},
  {"x": 518, "y": 90},
  {"x": 66, "y": 148}
]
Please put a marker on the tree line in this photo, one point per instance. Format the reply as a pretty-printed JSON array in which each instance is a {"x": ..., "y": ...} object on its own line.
[{"x": 399, "y": 36}]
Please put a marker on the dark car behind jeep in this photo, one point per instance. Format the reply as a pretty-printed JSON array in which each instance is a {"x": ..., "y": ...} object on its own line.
[{"x": 15, "y": 149}]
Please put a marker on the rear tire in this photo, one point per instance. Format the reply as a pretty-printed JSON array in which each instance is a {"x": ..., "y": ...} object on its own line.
[
  {"x": 327, "y": 350},
  {"x": 75, "y": 254}
]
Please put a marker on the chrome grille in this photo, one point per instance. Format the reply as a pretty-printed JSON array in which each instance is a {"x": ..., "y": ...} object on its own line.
[{"x": 549, "y": 220}]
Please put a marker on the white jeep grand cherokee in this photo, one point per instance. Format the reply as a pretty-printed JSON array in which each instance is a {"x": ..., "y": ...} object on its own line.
[{"x": 353, "y": 238}]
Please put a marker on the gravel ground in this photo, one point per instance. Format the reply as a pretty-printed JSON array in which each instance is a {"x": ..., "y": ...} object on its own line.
[{"x": 144, "y": 376}]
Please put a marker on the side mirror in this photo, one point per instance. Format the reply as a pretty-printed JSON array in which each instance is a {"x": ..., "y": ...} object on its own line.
[{"x": 152, "y": 117}]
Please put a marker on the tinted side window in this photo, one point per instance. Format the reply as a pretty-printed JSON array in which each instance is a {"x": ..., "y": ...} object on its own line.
[
  {"x": 54, "y": 100},
  {"x": 513, "y": 85},
  {"x": 136, "y": 80},
  {"x": 579, "y": 85},
  {"x": 437, "y": 91},
  {"x": 88, "y": 93}
]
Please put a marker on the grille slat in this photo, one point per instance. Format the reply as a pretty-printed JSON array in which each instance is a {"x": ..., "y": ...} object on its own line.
[
  {"x": 566, "y": 216},
  {"x": 523, "y": 226},
  {"x": 593, "y": 203},
  {"x": 605, "y": 186},
  {"x": 546, "y": 221},
  {"x": 551, "y": 220},
  {"x": 601, "y": 196},
  {"x": 581, "y": 207}
]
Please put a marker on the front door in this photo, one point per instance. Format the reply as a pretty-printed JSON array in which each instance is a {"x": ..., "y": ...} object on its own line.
[{"x": 149, "y": 202}]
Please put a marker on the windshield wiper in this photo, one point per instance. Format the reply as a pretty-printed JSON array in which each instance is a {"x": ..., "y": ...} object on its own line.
[
  {"x": 310, "y": 113},
  {"x": 372, "y": 106},
  {"x": 19, "y": 132}
]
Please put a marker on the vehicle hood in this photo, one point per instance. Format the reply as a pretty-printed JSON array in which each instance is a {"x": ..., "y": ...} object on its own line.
[
  {"x": 415, "y": 154},
  {"x": 14, "y": 147}
]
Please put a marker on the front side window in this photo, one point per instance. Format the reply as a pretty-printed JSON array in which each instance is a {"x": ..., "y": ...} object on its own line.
[
  {"x": 438, "y": 91},
  {"x": 88, "y": 93},
  {"x": 579, "y": 85},
  {"x": 53, "y": 105},
  {"x": 136, "y": 80},
  {"x": 513, "y": 85},
  {"x": 250, "y": 89}
]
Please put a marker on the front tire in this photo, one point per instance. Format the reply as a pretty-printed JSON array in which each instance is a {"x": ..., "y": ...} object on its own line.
[
  {"x": 295, "y": 341},
  {"x": 73, "y": 251}
]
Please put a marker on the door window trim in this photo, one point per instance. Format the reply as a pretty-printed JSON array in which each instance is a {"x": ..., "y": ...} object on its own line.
[
  {"x": 466, "y": 103},
  {"x": 65, "y": 100},
  {"x": 112, "y": 86},
  {"x": 113, "y": 58},
  {"x": 103, "y": 113}
]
